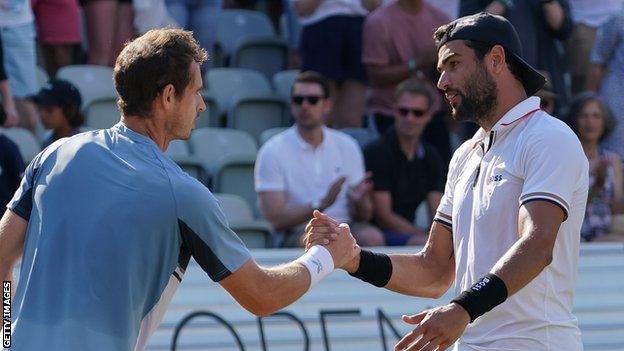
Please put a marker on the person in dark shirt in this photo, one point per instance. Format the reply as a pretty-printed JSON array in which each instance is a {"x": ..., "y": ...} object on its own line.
[
  {"x": 406, "y": 170},
  {"x": 11, "y": 166},
  {"x": 59, "y": 106}
]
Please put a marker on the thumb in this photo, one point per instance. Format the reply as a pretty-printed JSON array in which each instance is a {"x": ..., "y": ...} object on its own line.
[
  {"x": 415, "y": 318},
  {"x": 317, "y": 214},
  {"x": 343, "y": 228}
]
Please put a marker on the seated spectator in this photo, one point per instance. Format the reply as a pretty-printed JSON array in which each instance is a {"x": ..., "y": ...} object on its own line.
[
  {"x": 331, "y": 44},
  {"x": 406, "y": 171},
  {"x": 11, "y": 167},
  {"x": 310, "y": 166},
  {"x": 592, "y": 121},
  {"x": 11, "y": 118},
  {"x": 59, "y": 106},
  {"x": 605, "y": 75},
  {"x": 109, "y": 24}
]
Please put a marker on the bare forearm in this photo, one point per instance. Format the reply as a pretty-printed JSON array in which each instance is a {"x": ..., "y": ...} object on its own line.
[
  {"x": 363, "y": 210},
  {"x": 284, "y": 285},
  {"x": 554, "y": 14},
  {"x": 523, "y": 262},
  {"x": 594, "y": 77},
  {"x": 305, "y": 8},
  {"x": 417, "y": 275},
  {"x": 382, "y": 76},
  {"x": 5, "y": 91},
  {"x": 394, "y": 222},
  {"x": 289, "y": 216}
]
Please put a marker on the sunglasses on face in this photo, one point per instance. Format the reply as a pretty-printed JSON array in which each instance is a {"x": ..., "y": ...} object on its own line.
[
  {"x": 404, "y": 112},
  {"x": 311, "y": 99}
]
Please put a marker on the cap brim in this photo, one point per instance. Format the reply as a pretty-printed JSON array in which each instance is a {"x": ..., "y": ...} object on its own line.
[{"x": 531, "y": 79}]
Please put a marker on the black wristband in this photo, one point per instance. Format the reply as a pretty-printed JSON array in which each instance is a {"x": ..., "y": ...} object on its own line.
[
  {"x": 489, "y": 292},
  {"x": 375, "y": 268}
]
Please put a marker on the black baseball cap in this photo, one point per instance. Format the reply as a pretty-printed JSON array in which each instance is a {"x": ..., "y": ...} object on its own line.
[
  {"x": 58, "y": 92},
  {"x": 492, "y": 29}
]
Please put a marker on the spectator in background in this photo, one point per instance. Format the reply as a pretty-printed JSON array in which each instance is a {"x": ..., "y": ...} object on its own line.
[
  {"x": 548, "y": 98},
  {"x": 398, "y": 44},
  {"x": 406, "y": 170},
  {"x": 310, "y": 166},
  {"x": 292, "y": 33},
  {"x": 592, "y": 121},
  {"x": 543, "y": 26},
  {"x": 331, "y": 44},
  {"x": 59, "y": 106},
  {"x": 199, "y": 16},
  {"x": 10, "y": 119},
  {"x": 11, "y": 167},
  {"x": 110, "y": 24},
  {"x": 58, "y": 25},
  {"x": 17, "y": 32},
  {"x": 588, "y": 16},
  {"x": 449, "y": 7},
  {"x": 606, "y": 75},
  {"x": 151, "y": 14}
]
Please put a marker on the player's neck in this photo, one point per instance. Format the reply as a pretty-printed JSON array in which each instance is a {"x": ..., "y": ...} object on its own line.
[
  {"x": 149, "y": 127},
  {"x": 507, "y": 99}
]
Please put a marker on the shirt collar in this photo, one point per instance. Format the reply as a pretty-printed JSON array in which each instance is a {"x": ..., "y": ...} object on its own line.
[
  {"x": 137, "y": 137},
  {"x": 304, "y": 145}
]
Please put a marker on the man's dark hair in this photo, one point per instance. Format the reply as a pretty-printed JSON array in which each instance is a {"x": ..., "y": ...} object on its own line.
[
  {"x": 74, "y": 117},
  {"x": 577, "y": 105},
  {"x": 312, "y": 77},
  {"x": 149, "y": 63},
  {"x": 481, "y": 49},
  {"x": 414, "y": 86}
]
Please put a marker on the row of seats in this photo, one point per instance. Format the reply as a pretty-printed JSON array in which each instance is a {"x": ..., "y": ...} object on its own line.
[{"x": 235, "y": 98}]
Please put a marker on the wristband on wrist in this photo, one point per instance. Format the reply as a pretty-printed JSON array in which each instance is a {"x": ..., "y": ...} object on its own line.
[
  {"x": 319, "y": 263},
  {"x": 489, "y": 292},
  {"x": 375, "y": 268}
]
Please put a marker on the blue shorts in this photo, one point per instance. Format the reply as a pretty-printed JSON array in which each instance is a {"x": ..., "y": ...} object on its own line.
[
  {"x": 333, "y": 48},
  {"x": 20, "y": 62}
]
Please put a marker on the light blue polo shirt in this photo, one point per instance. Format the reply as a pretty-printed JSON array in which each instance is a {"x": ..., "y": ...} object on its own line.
[{"x": 112, "y": 224}]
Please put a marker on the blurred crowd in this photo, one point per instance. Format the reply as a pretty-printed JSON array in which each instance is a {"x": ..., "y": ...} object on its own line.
[{"x": 367, "y": 65}]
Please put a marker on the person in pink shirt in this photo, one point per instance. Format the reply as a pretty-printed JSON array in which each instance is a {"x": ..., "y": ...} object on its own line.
[{"x": 398, "y": 44}]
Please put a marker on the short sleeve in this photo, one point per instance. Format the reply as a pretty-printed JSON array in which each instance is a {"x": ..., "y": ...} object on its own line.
[
  {"x": 553, "y": 166},
  {"x": 268, "y": 173},
  {"x": 374, "y": 39},
  {"x": 607, "y": 39},
  {"x": 205, "y": 233},
  {"x": 444, "y": 212},
  {"x": 21, "y": 203},
  {"x": 378, "y": 162}
]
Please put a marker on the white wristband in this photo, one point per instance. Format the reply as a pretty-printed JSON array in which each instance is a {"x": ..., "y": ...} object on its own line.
[{"x": 319, "y": 263}]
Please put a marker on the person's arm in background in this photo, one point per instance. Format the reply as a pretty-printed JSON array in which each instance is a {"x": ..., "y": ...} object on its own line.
[
  {"x": 558, "y": 18},
  {"x": 12, "y": 235},
  {"x": 387, "y": 218},
  {"x": 12, "y": 118},
  {"x": 306, "y": 8},
  {"x": 608, "y": 38}
]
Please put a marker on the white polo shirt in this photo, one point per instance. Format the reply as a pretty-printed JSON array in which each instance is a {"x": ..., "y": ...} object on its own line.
[
  {"x": 528, "y": 156},
  {"x": 287, "y": 163}
]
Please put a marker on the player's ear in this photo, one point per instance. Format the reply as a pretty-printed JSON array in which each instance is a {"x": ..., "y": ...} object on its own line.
[{"x": 496, "y": 59}]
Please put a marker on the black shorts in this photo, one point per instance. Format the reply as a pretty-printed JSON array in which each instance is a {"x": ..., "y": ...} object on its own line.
[{"x": 333, "y": 47}]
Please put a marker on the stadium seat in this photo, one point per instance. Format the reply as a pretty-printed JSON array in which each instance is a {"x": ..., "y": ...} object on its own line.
[
  {"x": 28, "y": 145},
  {"x": 92, "y": 81},
  {"x": 179, "y": 152},
  {"x": 283, "y": 82},
  {"x": 255, "y": 233},
  {"x": 227, "y": 84},
  {"x": 212, "y": 116},
  {"x": 257, "y": 114},
  {"x": 267, "y": 55},
  {"x": 269, "y": 133},
  {"x": 235, "y": 175},
  {"x": 233, "y": 25},
  {"x": 102, "y": 113},
  {"x": 362, "y": 135}
]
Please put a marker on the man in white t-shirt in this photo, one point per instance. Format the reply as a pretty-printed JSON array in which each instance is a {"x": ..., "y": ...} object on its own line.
[
  {"x": 310, "y": 166},
  {"x": 507, "y": 230}
]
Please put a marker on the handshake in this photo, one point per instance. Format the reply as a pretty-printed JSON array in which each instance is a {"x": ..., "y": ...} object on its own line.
[{"x": 336, "y": 238}]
